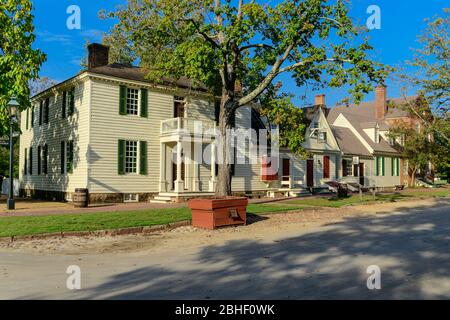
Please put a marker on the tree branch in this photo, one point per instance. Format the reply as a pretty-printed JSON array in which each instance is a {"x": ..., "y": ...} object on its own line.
[
  {"x": 258, "y": 45},
  {"x": 209, "y": 38},
  {"x": 268, "y": 79}
]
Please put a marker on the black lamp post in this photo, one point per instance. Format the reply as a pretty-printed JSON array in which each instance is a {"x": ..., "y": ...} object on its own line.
[{"x": 12, "y": 106}]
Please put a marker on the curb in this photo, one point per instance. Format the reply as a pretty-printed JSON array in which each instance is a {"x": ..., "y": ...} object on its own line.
[{"x": 99, "y": 233}]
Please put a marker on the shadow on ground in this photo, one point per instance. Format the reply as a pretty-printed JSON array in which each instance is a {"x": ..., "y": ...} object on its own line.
[{"x": 411, "y": 247}]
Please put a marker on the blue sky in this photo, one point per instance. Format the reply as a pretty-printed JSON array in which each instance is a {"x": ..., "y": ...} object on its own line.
[{"x": 401, "y": 22}]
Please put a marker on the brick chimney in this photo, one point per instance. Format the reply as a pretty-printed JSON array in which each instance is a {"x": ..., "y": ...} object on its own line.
[
  {"x": 98, "y": 55},
  {"x": 380, "y": 102},
  {"x": 319, "y": 100}
]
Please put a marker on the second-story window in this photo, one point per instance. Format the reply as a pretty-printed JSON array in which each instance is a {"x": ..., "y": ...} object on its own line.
[
  {"x": 179, "y": 107},
  {"x": 132, "y": 101},
  {"x": 377, "y": 135},
  {"x": 68, "y": 103}
]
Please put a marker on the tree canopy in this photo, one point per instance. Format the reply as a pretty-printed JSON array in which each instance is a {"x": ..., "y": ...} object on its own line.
[
  {"x": 19, "y": 62},
  {"x": 238, "y": 48}
]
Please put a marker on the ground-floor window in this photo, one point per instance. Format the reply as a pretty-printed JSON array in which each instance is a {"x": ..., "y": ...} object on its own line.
[
  {"x": 131, "y": 156},
  {"x": 66, "y": 156},
  {"x": 347, "y": 167}
]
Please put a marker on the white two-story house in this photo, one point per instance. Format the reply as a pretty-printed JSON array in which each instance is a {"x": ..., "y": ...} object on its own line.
[{"x": 110, "y": 130}]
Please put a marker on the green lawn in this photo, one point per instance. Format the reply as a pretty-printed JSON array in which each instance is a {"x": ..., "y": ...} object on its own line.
[
  {"x": 20, "y": 226},
  {"x": 335, "y": 202},
  {"x": 272, "y": 208}
]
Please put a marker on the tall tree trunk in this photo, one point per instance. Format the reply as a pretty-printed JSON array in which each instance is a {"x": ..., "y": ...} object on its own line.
[
  {"x": 227, "y": 109},
  {"x": 413, "y": 178}
]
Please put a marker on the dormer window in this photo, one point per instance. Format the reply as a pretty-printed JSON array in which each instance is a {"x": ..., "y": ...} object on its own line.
[
  {"x": 377, "y": 134},
  {"x": 322, "y": 136}
]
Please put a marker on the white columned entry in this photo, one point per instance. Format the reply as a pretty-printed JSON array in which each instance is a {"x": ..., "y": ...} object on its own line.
[
  {"x": 179, "y": 183},
  {"x": 162, "y": 169},
  {"x": 196, "y": 160},
  {"x": 212, "y": 181}
]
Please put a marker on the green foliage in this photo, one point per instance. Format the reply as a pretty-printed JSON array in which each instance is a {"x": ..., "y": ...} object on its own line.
[
  {"x": 221, "y": 45},
  {"x": 431, "y": 108},
  {"x": 238, "y": 48},
  {"x": 4, "y": 159},
  {"x": 19, "y": 62}
]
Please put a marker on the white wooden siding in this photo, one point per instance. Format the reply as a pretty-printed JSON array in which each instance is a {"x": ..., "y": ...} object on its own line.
[{"x": 74, "y": 127}]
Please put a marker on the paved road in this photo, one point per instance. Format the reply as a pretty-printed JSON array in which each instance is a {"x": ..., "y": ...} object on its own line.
[{"x": 411, "y": 246}]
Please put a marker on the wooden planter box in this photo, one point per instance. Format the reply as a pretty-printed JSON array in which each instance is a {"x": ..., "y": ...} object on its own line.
[{"x": 218, "y": 212}]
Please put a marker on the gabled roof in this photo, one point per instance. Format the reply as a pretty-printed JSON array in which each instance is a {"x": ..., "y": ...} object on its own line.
[
  {"x": 366, "y": 110},
  {"x": 348, "y": 142},
  {"x": 139, "y": 74},
  {"x": 382, "y": 146},
  {"x": 133, "y": 73}
]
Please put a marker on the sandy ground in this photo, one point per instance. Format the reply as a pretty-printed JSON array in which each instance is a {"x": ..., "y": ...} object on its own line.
[
  {"x": 182, "y": 236},
  {"x": 298, "y": 255}
]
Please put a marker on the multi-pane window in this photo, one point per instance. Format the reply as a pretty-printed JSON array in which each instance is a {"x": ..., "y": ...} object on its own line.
[
  {"x": 131, "y": 156},
  {"x": 66, "y": 156},
  {"x": 348, "y": 167},
  {"x": 132, "y": 101}
]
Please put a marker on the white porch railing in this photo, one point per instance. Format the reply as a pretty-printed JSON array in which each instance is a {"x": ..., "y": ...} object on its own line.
[{"x": 187, "y": 126}]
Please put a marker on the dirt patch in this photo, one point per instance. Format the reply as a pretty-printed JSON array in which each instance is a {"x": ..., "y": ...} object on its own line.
[{"x": 256, "y": 229}]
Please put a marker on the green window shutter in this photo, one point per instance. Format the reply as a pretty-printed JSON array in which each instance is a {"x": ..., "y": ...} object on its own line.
[
  {"x": 63, "y": 109},
  {"x": 39, "y": 150},
  {"x": 63, "y": 156},
  {"x": 121, "y": 157},
  {"x": 123, "y": 100},
  {"x": 41, "y": 109},
  {"x": 377, "y": 166},
  {"x": 143, "y": 157},
  {"x": 27, "y": 119},
  {"x": 144, "y": 103},
  {"x": 25, "y": 165},
  {"x": 70, "y": 157},
  {"x": 71, "y": 101},
  {"x": 31, "y": 161},
  {"x": 32, "y": 117},
  {"x": 45, "y": 160},
  {"x": 382, "y": 166},
  {"x": 397, "y": 164},
  {"x": 392, "y": 166},
  {"x": 46, "y": 110}
]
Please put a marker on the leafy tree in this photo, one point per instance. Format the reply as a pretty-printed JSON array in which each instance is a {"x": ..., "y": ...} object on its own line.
[
  {"x": 4, "y": 159},
  {"x": 238, "y": 48},
  {"x": 431, "y": 78},
  {"x": 40, "y": 84},
  {"x": 432, "y": 64},
  {"x": 19, "y": 62},
  {"x": 418, "y": 147}
]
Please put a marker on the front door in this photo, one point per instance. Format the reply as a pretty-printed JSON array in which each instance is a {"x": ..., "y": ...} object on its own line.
[
  {"x": 361, "y": 174},
  {"x": 310, "y": 173},
  {"x": 326, "y": 167},
  {"x": 179, "y": 108},
  {"x": 286, "y": 169}
]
